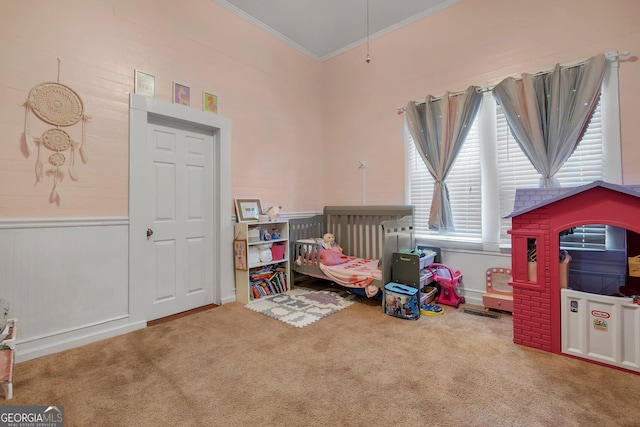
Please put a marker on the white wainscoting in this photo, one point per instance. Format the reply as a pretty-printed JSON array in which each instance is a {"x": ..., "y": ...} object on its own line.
[
  {"x": 66, "y": 280},
  {"x": 473, "y": 265}
]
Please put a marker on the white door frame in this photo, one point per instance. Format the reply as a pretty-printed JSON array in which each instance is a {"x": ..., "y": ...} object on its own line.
[{"x": 140, "y": 107}]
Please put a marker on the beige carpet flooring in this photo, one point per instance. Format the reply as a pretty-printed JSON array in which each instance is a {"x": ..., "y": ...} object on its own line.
[{"x": 230, "y": 366}]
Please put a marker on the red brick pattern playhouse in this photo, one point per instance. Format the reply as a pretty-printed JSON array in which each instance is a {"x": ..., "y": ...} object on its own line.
[{"x": 541, "y": 214}]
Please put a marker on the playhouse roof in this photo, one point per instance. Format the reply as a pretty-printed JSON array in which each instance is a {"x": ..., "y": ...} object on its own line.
[{"x": 528, "y": 199}]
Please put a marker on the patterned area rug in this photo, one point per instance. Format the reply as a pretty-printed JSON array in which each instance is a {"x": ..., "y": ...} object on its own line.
[{"x": 301, "y": 307}]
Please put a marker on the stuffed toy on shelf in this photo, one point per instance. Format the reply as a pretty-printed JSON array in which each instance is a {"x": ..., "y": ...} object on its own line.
[{"x": 273, "y": 213}]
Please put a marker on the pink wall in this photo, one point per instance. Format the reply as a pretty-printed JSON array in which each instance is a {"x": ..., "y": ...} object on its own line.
[
  {"x": 473, "y": 42},
  {"x": 268, "y": 89},
  {"x": 298, "y": 126}
]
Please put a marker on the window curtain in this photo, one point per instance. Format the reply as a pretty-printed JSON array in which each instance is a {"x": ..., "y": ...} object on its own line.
[
  {"x": 548, "y": 113},
  {"x": 438, "y": 128}
]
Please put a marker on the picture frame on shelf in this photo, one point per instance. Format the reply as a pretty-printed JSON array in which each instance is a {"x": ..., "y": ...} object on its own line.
[
  {"x": 181, "y": 94},
  {"x": 248, "y": 210},
  {"x": 144, "y": 84},
  {"x": 209, "y": 102}
]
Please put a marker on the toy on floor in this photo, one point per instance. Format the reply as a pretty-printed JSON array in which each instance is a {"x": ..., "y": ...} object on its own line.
[
  {"x": 449, "y": 282},
  {"x": 431, "y": 309},
  {"x": 499, "y": 294}
]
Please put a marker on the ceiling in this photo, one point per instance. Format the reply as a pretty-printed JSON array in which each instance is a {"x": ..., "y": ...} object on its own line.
[{"x": 325, "y": 28}]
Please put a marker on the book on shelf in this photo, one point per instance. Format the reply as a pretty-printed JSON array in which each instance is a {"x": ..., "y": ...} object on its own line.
[
  {"x": 276, "y": 280},
  {"x": 268, "y": 280},
  {"x": 273, "y": 285},
  {"x": 257, "y": 290},
  {"x": 265, "y": 288},
  {"x": 254, "y": 291},
  {"x": 270, "y": 286},
  {"x": 282, "y": 284},
  {"x": 256, "y": 277},
  {"x": 281, "y": 277},
  {"x": 282, "y": 274}
]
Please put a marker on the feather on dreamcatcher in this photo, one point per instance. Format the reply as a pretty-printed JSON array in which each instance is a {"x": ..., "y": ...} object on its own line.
[{"x": 60, "y": 106}]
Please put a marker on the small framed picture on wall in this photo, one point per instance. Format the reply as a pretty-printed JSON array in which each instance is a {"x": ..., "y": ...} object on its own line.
[
  {"x": 209, "y": 102},
  {"x": 145, "y": 84},
  {"x": 181, "y": 94}
]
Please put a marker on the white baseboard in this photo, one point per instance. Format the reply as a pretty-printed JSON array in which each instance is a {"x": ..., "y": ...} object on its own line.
[
  {"x": 228, "y": 299},
  {"x": 68, "y": 340},
  {"x": 473, "y": 300}
]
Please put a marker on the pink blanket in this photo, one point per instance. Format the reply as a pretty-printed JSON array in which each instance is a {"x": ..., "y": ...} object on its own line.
[{"x": 356, "y": 273}]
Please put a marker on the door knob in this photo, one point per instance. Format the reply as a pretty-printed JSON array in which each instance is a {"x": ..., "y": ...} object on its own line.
[{"x": 149, "y": 232}]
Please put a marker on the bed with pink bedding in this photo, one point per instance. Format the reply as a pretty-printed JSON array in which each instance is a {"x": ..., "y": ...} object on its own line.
[{"x": 368, "y": 235}]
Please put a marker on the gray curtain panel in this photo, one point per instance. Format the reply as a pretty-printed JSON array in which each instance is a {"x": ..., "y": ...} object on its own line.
[
  {"x": 439, "y": 127},
  {"x": 548, "y": 113}
]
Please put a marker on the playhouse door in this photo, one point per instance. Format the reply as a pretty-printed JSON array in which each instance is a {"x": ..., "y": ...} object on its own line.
[{"x": 601, "y": 328}]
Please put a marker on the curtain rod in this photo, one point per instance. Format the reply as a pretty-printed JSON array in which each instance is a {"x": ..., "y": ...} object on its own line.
[{"x": 611, "y": 55}]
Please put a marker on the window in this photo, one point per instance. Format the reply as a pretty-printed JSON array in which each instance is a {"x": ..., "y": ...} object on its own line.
[
  {"x": 490, "y": 166},
  {"x": 584, "y": 166},
  {"x": 463, "y": 183}
]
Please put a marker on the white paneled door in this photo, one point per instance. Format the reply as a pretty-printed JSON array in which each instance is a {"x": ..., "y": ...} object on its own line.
[{"x": 180, "y": 198}]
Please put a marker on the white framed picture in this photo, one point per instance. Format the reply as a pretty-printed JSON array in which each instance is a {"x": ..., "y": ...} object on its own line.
[
  {"x": 248, "y": 210},
  {"x": 181, "y": 94},
  {"x": 209, "y": 102},
  {"x": 145, "y": 84}
]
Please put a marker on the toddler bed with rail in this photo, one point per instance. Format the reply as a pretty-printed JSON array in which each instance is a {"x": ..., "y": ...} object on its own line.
[{"x": 368, "y": 236}]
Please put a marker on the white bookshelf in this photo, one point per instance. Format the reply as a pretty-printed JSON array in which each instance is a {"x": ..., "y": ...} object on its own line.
[{"x": 247, "y": 230}]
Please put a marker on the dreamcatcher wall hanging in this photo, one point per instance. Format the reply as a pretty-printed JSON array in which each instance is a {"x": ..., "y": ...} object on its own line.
[{"x": 60, "y": 106}]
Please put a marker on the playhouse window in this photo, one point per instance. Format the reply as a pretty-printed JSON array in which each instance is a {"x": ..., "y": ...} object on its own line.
[
  {"x": 528, "y": 254},
  {"x": 584, "y": 237},
  {"x": 532, "y": 258}
]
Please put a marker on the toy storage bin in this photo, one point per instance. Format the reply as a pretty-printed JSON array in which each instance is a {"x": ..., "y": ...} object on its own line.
[
  {"x": 401, "y": 301},
  {"x": 407, "y": 269},
  {"x": 428, "y": 294},
  {"x": 425, "y": 278},
  {"x": 277, "y": 251},
  {"x": 427, "y": 260}
]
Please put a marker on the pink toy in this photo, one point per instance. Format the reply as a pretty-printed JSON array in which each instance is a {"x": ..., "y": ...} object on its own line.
[{"x": 449, "y": 283}]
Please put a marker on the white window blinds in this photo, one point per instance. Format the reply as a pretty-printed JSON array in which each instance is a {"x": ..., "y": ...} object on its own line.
[
  {"x": 479, "y": 217},
  {"x": 463, "y": 183},
  {"x": 584, "y": 166}
]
